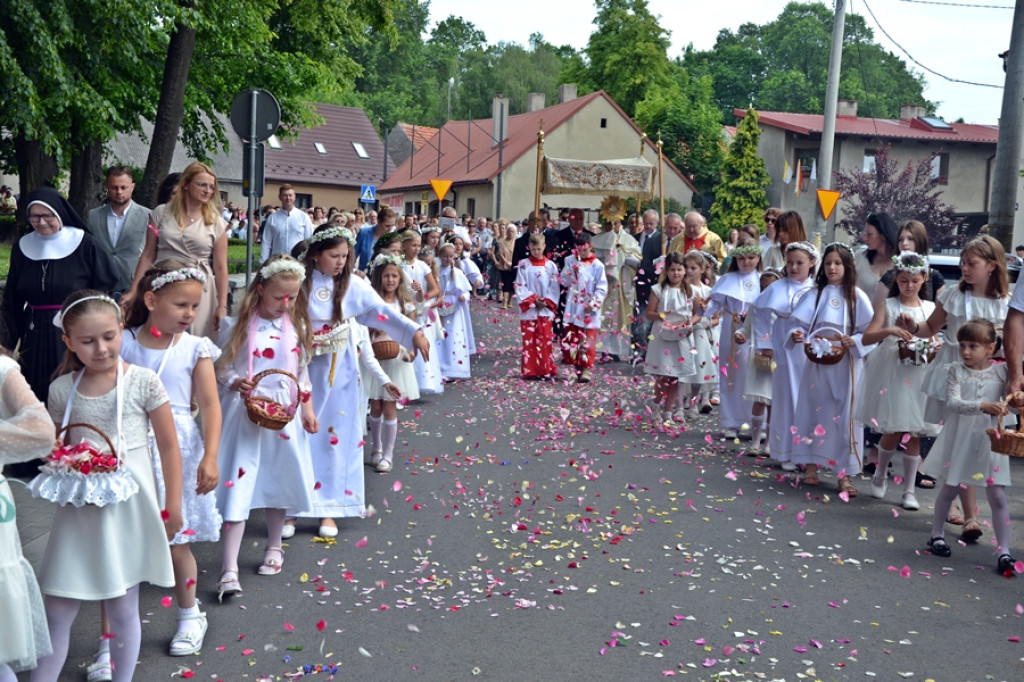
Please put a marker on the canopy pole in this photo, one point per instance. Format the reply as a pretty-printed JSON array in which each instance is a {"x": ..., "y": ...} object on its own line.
[
  {"x": 540, "y": 166},
  {"x": 639, "y": 216},
  {"x": 661, "y": 193}
]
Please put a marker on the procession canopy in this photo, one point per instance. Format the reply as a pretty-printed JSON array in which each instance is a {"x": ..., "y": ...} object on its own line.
[{"x": 619, "y": 177}]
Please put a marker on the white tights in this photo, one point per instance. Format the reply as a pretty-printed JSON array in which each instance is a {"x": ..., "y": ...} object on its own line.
[
  {"x": 125, "y": 624},
  {"x": 6, "y": 674}
]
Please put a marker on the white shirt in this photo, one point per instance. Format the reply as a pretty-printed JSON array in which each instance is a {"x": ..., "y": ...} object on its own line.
[
  {"x": 115, "y": 223},
  {"x": 283, "y": 230}
]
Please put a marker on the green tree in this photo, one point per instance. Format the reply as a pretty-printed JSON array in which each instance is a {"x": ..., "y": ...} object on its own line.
[
  {"x": 690, "y": 126},
  {"x": 740, "y": 198},
  {"x": 783, "y": 66},
  {"x": 627, "y": 54}
]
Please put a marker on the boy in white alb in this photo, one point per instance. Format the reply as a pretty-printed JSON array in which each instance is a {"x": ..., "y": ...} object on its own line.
[
  {"x": 537, "y": 292},
  {"x": 586, "y": 287}
]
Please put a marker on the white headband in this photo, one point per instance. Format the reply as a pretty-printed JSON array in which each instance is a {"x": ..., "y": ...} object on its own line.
[{"x": 58, "y": 319}]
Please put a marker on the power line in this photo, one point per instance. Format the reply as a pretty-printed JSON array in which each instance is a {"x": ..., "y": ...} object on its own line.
[
  {"x": 911, "y": 58},
  {"x": 957, "y": 4}
]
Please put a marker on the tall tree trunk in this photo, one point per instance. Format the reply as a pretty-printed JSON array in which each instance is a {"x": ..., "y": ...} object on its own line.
[
  {"x": 36, "y": 168},
  {"x": 86, "y": 191},
  {"x": 169, "y": 114}
]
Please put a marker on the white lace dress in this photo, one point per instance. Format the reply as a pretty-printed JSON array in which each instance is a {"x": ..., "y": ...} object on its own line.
[
  {"x": 26, "y": 432},
  {"x": 98, "y": 553},
  {"x": 198, "y": 511}
]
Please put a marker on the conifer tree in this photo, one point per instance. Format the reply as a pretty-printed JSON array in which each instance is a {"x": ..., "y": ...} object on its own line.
[{"x": 740, "y": 198}]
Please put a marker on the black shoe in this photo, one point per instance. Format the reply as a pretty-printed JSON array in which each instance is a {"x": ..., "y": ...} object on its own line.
[
  {"x": 939, "y": 547},
  {"x": 1005, "y": 565}
]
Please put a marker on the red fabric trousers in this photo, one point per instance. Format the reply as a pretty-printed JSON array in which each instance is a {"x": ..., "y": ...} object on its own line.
[{"x": 537, "y": 336}]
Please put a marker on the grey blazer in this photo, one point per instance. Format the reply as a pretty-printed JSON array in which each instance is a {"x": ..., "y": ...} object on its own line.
[{"x": 128, "y": 250}]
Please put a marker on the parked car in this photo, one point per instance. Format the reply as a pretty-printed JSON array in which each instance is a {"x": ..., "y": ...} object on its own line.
[{"x": 948, "y": 266}]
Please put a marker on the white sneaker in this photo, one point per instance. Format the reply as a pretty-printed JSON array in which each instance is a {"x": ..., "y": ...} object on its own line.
[
  {"x": 288, "y": 531},
  {"x": 100, "y": 671},
  {"x": 729, "y": 434}
]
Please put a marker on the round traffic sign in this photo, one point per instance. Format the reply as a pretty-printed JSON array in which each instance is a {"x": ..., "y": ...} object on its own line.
[{"x": 268, "y": 114}]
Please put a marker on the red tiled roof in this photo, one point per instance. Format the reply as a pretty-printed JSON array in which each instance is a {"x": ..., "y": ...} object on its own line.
[
  {"x": 812, "y": 124},
  {"x": 418, "y": 135},
  {"x": 461, "y": 139},
  {"x": 299, "y": 161}
]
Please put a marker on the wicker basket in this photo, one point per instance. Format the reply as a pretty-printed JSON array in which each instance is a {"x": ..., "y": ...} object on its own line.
[
  {"x": 96, "y": 478},
  {"x": 386, "y": 350},
  {"x": 914, "y": 356},
  {"x": 837, "y": 353},
  {"x": 1006, "y": 442},
  {"x": 77, "y": 466},
  {"x": 266, "y": 412},
  {"x": 762, "y": 362}
]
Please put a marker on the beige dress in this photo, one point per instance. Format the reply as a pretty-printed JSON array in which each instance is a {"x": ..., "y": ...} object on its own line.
[{"x": 192, "y": 245}]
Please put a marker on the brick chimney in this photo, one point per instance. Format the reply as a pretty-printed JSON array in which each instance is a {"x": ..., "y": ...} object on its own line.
[
  {"x": 846, "y": 107},
  {"x": 534, "y": 101},
  {"x": 500, "y": 121},
  {"x": 566, "y": 92},
  {"x": 908, "y": 112}
]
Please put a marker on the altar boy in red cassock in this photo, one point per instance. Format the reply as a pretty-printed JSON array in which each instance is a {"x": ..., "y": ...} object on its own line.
[
  {"x": 586, "y": 287},
  {"x": 537, "y": 291}
]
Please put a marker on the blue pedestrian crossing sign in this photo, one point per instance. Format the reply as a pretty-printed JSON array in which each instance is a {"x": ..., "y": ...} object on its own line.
[{"x": 368, "y": 194}]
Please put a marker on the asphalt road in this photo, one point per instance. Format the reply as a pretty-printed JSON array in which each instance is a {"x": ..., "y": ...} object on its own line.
[{"x": 538, "y": 531}]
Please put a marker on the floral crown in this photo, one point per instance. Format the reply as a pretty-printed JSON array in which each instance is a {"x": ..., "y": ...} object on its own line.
[
  {"x": 179, "y": 275},
  {"x": 337, "y": 232},
  {"x": 910, "y": 261},
  {"x": 803, "y": 246},
  {"x": 430, "y": 228},
  {"x": 283, "y": 264},
  {"x": 712, "y": 261},
  {"x": 382, "y": 259},
  {"x": 839, "y": 245},
  {"x": 58, "y": 319},
  {"x": 748, "y": 250}
]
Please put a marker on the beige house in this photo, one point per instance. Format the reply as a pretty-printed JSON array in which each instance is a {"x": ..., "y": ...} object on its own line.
[
  {"x": 964, "y": 163},
  {"x": 591, "y": 128}
]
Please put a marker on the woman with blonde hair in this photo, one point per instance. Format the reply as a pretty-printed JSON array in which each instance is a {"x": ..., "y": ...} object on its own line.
[{"x": 190, "y": 229}]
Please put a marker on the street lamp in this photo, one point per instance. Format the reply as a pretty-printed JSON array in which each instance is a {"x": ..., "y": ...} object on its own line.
[{"x": 451, "y": 84}]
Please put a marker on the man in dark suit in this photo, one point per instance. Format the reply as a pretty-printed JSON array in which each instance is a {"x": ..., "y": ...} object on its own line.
[
  {"x": 521, "y": 248},
  {"x": 650, "y": 248},
  {"x": 120, "y": 226},
  {"x": 559, "y": 246}
]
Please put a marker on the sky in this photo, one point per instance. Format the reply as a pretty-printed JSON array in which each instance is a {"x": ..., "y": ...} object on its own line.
[{"x": 957, "y": 41}]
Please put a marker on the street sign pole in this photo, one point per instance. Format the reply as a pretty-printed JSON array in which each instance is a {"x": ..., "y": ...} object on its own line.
[{"x": 251, "y": 147}]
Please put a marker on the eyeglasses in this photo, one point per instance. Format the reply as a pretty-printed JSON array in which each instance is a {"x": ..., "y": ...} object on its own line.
[
  {"x": 38, "y": 218},
  {"x": 207, "y": 186},
  {"x": 770, "y": 220}
]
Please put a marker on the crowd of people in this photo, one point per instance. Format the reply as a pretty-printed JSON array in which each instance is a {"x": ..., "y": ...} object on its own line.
[{"x": 811, "y": 353}]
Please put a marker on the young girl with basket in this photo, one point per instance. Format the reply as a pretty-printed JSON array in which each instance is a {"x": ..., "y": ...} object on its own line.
[
  {"x": 159, "y": 315},
  {"x": 264, "y": 383},
  {"x": 890, "y": 401},
  {"x": 536, "y": 290},
  {"x": 983, "y": 292},
  {"x": 829, "y": 323},
  {"x": 26, "y": 432},
  {"x": 388, "y": 280},
  {"x": 455, "y": 348},
  {"x": 701, "y": 270},
  {"x": 425, "y": 294},
  {"x": 670, "y": 353},
  {"x": 963, "y": 453},
  {"x": 733, "y": 294},
  {"x": 773, "y": 310},
  {"x": 118, "y": 537},
  {"x": 758, "y": 388}
]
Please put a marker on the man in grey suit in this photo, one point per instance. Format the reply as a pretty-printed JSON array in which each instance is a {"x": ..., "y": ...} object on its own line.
[
  {"x": 650, "y": 247},
  {"x": 120, "y": 226}
]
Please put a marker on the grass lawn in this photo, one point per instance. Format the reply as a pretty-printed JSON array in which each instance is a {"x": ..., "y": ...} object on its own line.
[{"x": 5, "y": 260}]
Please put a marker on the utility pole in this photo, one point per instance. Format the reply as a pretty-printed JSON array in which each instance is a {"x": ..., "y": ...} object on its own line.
[
  {"x": 1005, "y": 176},
  {"x": 822, "y": 228}
]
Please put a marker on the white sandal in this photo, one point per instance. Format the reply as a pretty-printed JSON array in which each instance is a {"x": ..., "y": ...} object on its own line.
[
  {"x": 188, "y": 642},
  {"x": 228, "y": 586},
  {"x": 100, "y": 671}
]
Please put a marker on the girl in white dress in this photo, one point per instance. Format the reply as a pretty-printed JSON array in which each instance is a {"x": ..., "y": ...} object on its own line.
[
  {"x": 388, "y": 280},
  {"x": 454, "y": 349},
  {"x": 339, "y": 306},
  {"x": 158, "y": 341},
  {"x": 890, "y": 399},
  {"x": 103, "y": 553},
  {"x": 272, "y": 332},
  {"x": 425, "y": 294},
  {"x": 826, "y": 432},
  {"x": 962, "y": 455},
  {"x": 694, "y": 396},
  {"x": 758, "y": 388},
  {"x": 772, "y": 312},
  {"x": 26, "y": 432},
  {"x": 733, "y": 295},
  {"x": 670, "y": 353},
  {"x": 983, "y": 292}
]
